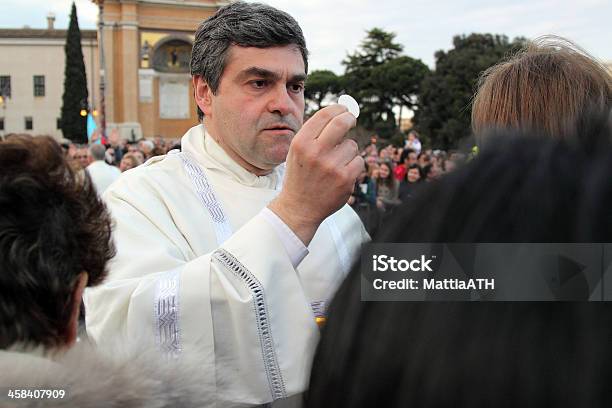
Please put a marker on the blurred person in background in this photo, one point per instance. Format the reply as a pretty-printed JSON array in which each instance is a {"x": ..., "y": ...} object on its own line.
[
  {"x": 134, "y": 148},
  {"x": 407, "y": 159},
  {"x": 397, "y": 154},
  {"x": 371, "y": 160},
  {"x": 158, "y": 151},
  {"x": 129, "y": 161},
  {"x": 364, "y": 192},
  {"x": 159, "y": 142},
  {"x": 423, "y": 159},
  {"x": 373, "y": 173},
  {"x": 101, "y": 173},
  {"x": 383, "y": 155},
  {"x": 547, "y": 87},
  {"x": 413, "y": 142},
  {"x": 387, "y": 188},
  {"x": 146, "y": 146},
  {"x": 110, "y": 156},
  {"x": 408, "y": 186},
  {"x": 140, "y": 156},
  {"x": 118, "y": 144},
  {"x": 55, "y": 240},
  {"x": 472, "y": 354},
  {"x": 81, "y": 157},
  {"x": 431, "y": 172},
  {"x": 448, "y": 165}
]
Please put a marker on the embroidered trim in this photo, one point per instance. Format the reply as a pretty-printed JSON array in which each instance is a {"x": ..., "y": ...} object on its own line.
[
  {"x": 207, "y": 196},
  {"x": 166, "y": 311},
  {"x": 343, "y": 254},
  {"x": 319, "y": 308},
  {"x": 273, "y": 372}
]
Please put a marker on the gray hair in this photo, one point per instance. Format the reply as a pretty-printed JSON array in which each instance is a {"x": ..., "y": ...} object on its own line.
[
  {"x": 97, "y": 151},
  {"x": 246, "y": 25}
]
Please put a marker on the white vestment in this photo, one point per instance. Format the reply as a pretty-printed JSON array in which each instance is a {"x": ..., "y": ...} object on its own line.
[
  {"x": 102, "y": 175},
  {"x": 202, "y": 272}
]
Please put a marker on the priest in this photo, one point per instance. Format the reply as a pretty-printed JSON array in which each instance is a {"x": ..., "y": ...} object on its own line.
[{"x": 229, "y": 249}]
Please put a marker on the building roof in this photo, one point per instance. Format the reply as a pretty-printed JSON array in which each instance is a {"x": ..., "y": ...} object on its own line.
[{"x": 42, "y": 33}]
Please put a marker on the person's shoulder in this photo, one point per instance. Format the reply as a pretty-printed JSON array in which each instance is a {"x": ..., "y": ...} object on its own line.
[
  {"x": 109, "y": 167},
  {"x": 136, "y": 374},
  {"x": 115, "y": 170},
  {"x": 156, "y": 165},
  {"x": 158, "y": 170}
]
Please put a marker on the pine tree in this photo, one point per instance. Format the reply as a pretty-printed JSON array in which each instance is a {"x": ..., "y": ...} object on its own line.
[
  {"x": 74, "y": 99},
  {"x": 381, "y": 78}
]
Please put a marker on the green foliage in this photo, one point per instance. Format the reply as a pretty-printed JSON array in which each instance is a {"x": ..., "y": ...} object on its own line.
[
  {"x": 74, "y": 126},
  {"x": 446, "y": 94},
  {"x": 321, "y": 84},
  {"x": 380, "y": 78},
  {"x": 400, "y": 79},
  {"x": 376, "y": 49}
]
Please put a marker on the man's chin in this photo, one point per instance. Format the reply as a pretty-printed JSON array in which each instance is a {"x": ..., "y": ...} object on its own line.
[
  {"x": 275, "y": 158},
  {"x": 278, "y": 160}
]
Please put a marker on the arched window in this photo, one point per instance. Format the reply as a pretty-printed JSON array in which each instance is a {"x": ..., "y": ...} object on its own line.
[{"x": 172, "y": 56}]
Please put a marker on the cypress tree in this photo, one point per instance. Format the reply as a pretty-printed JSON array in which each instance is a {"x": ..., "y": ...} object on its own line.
[{"x": 74, "y": 99}]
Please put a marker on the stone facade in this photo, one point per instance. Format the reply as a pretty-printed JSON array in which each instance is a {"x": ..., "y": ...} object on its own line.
[
  {"x": 147, "y": 46},
  {"x": 35, "y": 52}
]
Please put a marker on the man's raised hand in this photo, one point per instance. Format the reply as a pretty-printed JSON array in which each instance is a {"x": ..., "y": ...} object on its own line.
[{"x": 322, "y": 166}]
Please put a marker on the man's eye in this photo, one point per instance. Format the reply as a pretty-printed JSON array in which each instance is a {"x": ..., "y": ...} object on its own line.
[
  {"x": 297, "y": 88},
  {"x": 259, "y": 84}
]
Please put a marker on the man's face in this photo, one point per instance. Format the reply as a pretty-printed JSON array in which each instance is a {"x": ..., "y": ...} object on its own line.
[
  {"x": 413, "y": 175},
  {"x": 411, "y": 159},
  {"x": 259, "y": 105},
  {"x": 82, "y": 156}
]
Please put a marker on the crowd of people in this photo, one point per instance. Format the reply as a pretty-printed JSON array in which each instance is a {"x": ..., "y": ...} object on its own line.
[
  {"x": 104, "y": 162},
  {"x": 231, "y": 266},
  {"x": 119, "y": 152},
  {"x": 392, "y": 175}
]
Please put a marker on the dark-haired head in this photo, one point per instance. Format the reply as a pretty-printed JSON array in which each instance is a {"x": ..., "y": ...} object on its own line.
[
  {"x": 520, "y": 188},
  {"x": 408, "y": 154},
  {"x": 244, "y": 25},
  {"x": 55, "y": 236},
  {"x": 414, "y": 174}
]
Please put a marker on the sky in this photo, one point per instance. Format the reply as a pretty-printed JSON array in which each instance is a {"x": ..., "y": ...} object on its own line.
[{"x": 334, "y": 28}]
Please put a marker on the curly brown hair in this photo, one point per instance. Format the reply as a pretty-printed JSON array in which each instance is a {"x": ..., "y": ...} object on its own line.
[{"x": 53, "y": 226}]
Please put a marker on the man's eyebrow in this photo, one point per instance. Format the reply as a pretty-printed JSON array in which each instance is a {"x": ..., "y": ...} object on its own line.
[
  {"x": 298, "y": 78},
  {"x": 258, "y": 72},
  {"x": 267, "y": 74}
]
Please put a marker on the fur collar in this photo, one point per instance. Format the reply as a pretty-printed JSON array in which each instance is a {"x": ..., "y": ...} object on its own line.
[{"x": 93, "y": 378}]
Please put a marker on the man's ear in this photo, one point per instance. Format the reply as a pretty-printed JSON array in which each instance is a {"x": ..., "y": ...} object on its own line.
[
  {"x": 77, "y": 296},
  {"x": 203, "y": 95}
]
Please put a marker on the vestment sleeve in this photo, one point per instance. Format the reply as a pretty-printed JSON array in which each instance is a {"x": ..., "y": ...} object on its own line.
[{"x": 239, "y": 309}]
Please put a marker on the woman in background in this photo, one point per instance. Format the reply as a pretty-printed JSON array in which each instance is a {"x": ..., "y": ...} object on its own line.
[{"x": 387, "y": 188}]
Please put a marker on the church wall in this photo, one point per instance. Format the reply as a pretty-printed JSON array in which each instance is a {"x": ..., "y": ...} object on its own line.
[
  {"x": 40, "y": 56},
  {"x": 131, "y": 23}
]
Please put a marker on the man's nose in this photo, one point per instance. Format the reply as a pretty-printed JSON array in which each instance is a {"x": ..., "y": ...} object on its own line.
[{"x": 280, "y": 101}]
